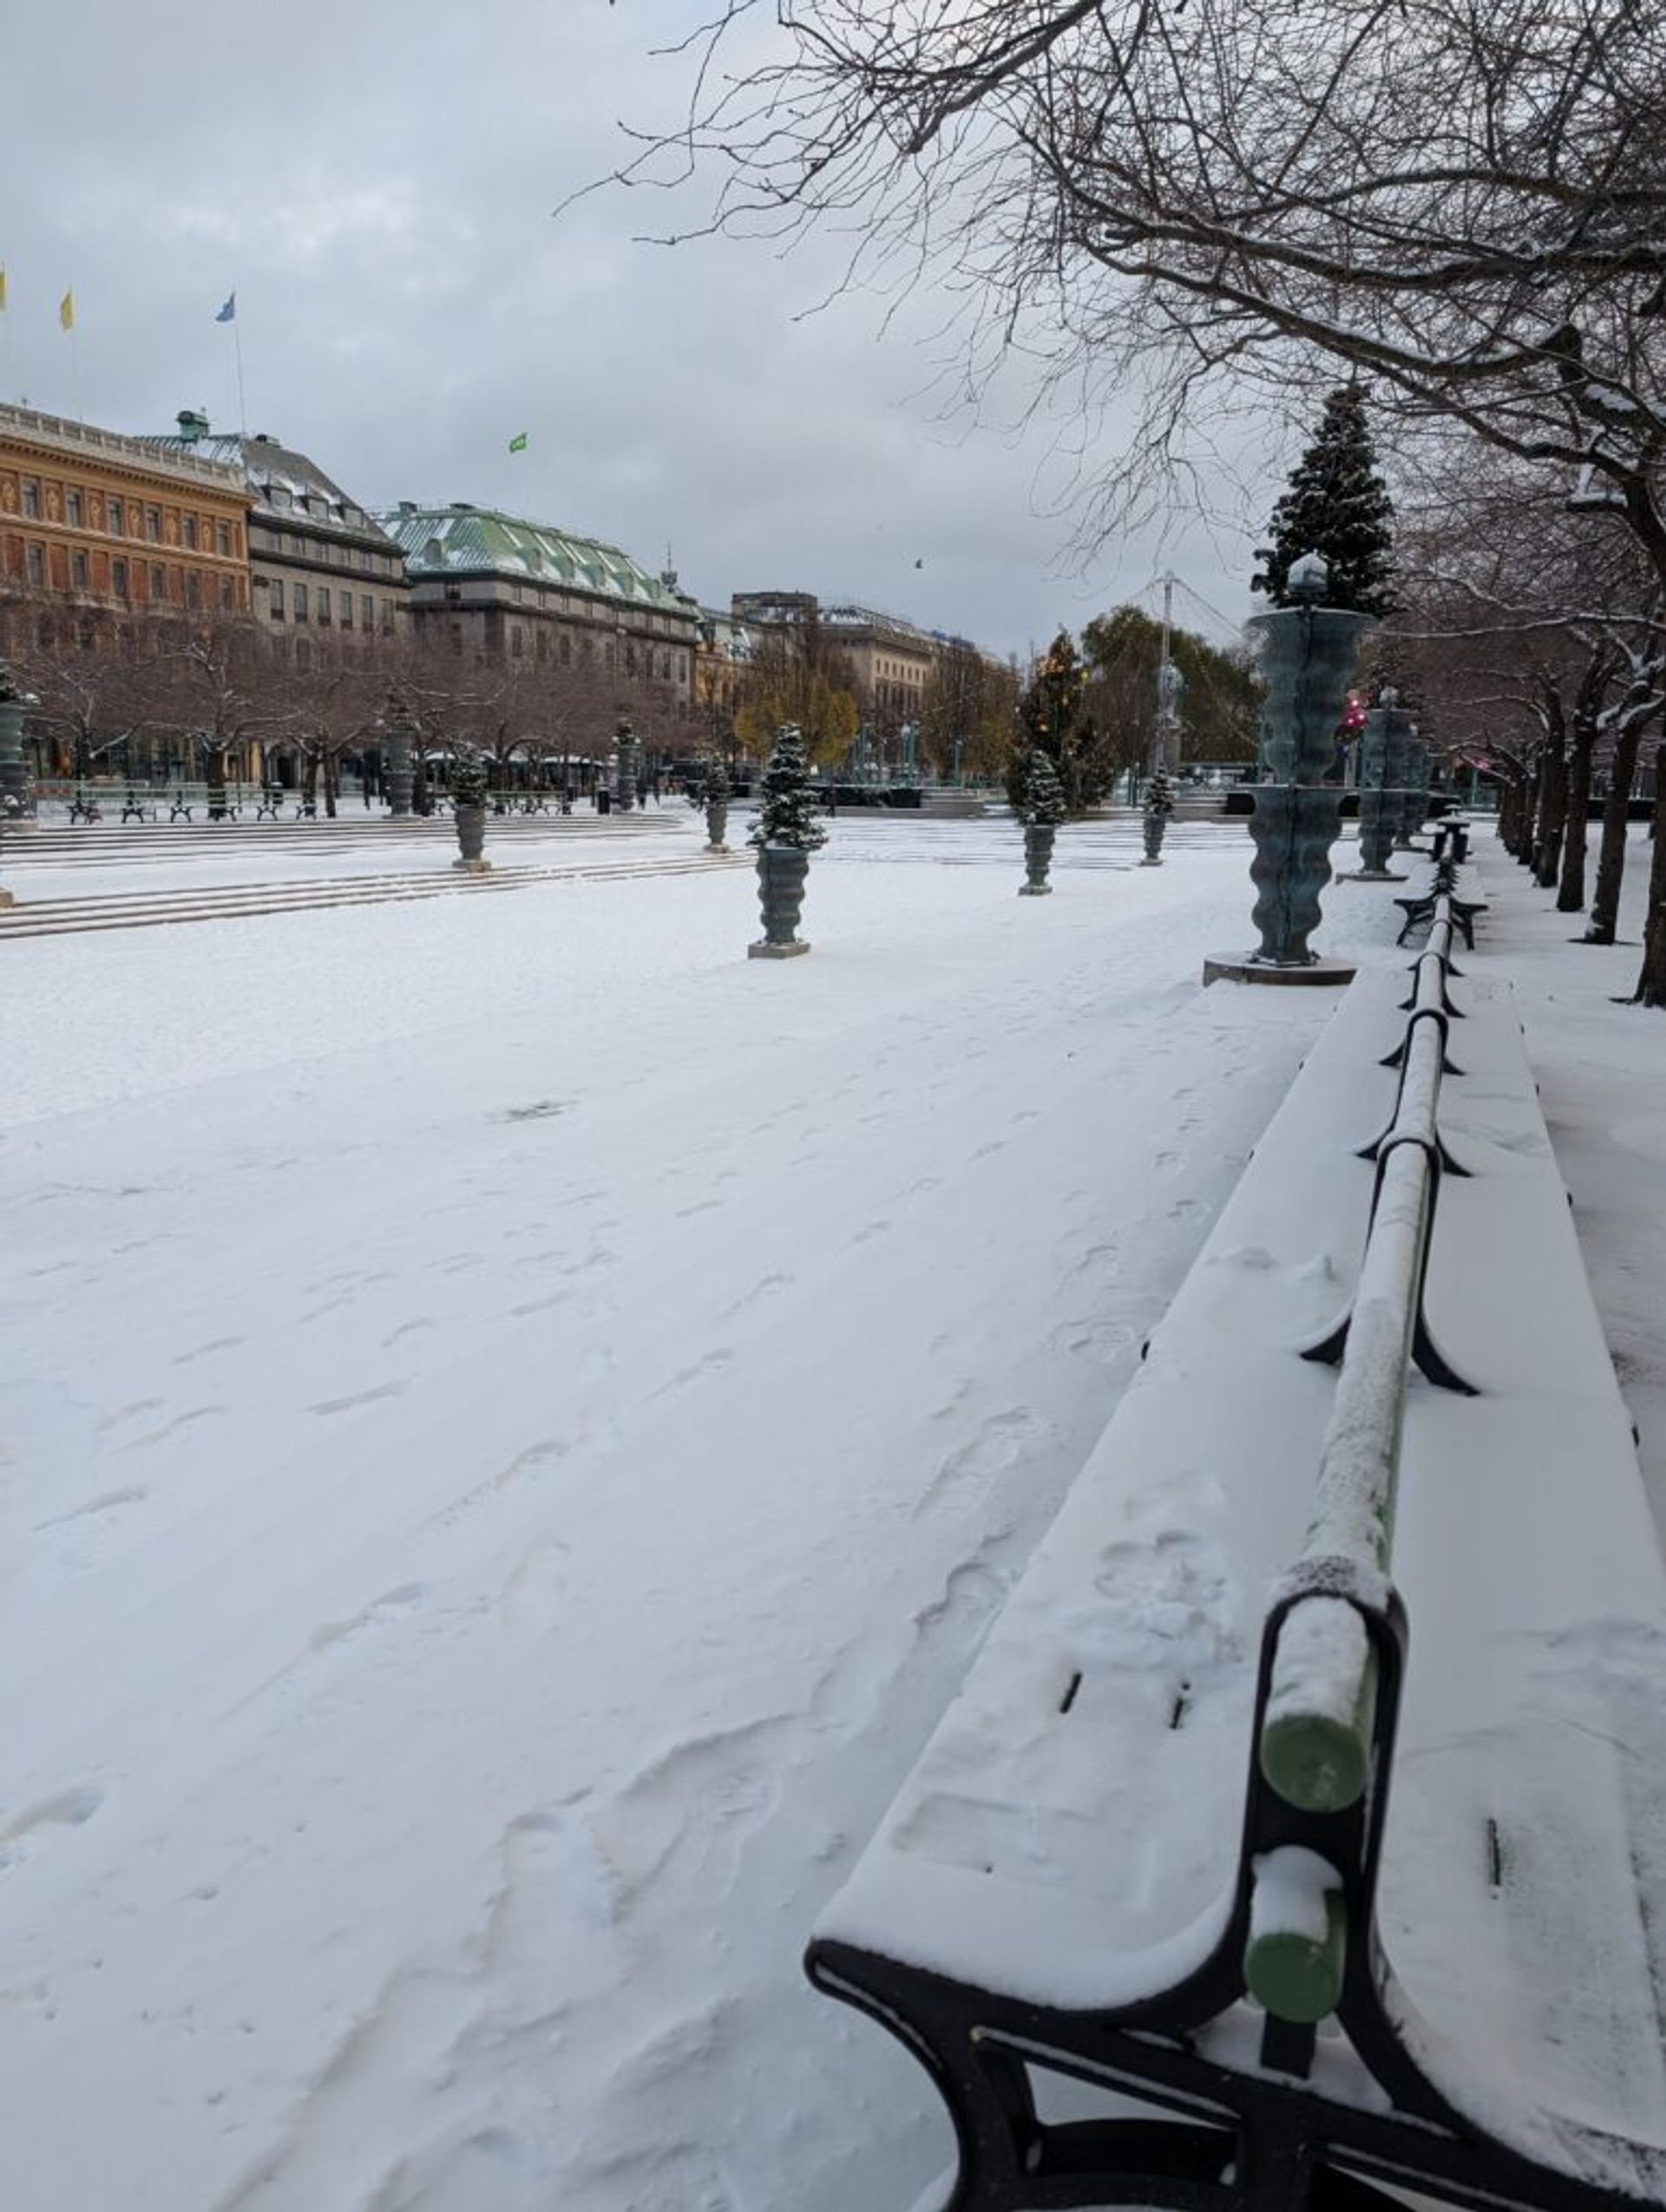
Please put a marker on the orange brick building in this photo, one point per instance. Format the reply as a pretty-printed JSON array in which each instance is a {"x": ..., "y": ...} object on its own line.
[{"x": 98, "y": 530}]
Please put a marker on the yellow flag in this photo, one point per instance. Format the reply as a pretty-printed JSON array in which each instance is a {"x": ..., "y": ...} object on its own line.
[
  {"x": 3, "y": 287},
  {"x": 67, "y": 312}
]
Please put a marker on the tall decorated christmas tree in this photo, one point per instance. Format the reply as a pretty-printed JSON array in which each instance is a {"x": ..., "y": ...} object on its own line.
[
  {"x": 1337, "y": 505},
  {"x": 1053, "y": 719}
]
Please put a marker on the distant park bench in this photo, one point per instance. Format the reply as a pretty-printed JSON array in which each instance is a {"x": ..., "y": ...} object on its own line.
[
  {"x": 1307, "y": 1802},
  {"x": 1449, "y": 874}
]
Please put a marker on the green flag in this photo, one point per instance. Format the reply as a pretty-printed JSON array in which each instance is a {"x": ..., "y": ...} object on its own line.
[{"x": 518, "y": 444}]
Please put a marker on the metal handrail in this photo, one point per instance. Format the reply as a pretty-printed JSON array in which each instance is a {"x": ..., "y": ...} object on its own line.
[{"x": 1318, "y": 1719}]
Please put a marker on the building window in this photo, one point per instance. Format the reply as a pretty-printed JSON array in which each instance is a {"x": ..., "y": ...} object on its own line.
[
  {"x": 189, "y": 528},
  {"x": 346, "y": 610},
  {"x": 228, "y": 592},
  {"x": 78, "y": 570},
  {"x": 35, "y": 561},
  {"x": 119, "y": 577},
  {"x": 192, "y": 588},
  {"x": 566, "y": 650},
  {"x": 32, "y": 499},
  {"x": 387, "y": 616},
  {"x": 223, "y": 540},
  {"x": 115, "y": 519},
  {"x": 517, "y": 640},
  {"x": 158, "y": 581},
  {"x": 153, "y": 524},
  {"x": 275, "y": 601},
  {"x": 72, "y": 509},
  {"x": 366, "y": 611},
  {"x": 324, "y": 603},
  {"x": 298, "y": 596}
]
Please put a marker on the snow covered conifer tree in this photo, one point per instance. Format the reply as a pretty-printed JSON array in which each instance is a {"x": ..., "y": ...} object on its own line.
[
  {"x": 785, "y": 834},
  {"x": 1337, "y": 505},
  {"x": 1041, "y": 806},
  {"x": 784, "y": 816},
  {"x": 1044, "y": 795},
  {"x": 1052, "y": 718}
]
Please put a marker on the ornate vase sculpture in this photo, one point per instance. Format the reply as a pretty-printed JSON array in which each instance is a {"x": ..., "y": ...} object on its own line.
[
  {"x": 1383, "y": 740},
  {"x": 1308, "y": 653},
  {"x": 1037, "y": 859},
  {"x": 1041, "y": 811},
  {"x": 717, "y": 805},
  {"x": 1414, "y": 792},
  {"x": 785, "y": 835},
  {"x": 14, "y": 774},
  {"x": 624, "y": 746},
  {"x": 1159, "y": 806},
  {"x": 398, "y": 737},
  {"x": 468, "y": 810}
]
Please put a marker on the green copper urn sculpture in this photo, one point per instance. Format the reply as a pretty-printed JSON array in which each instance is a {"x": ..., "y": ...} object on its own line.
[
  {"x": 785, "y": 834},
  {"x": 1042, "y": 811},
  {"x": 1383, "y": 740},
  {"x": 1308, "y": 657}
]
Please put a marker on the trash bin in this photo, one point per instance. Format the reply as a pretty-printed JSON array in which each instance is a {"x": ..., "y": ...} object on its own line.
[{"x": 604, "y": 800}]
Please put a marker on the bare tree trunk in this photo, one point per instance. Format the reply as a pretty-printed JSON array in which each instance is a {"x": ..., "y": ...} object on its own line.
[
  {"x": 1509, "y": 796},
  {"x": 1570, "y": 889},
  {"x": 1552, "y": 816},
  {"x": 1652, "y": 980},
  {"x": 1611, "y": 853},
  {"x": 330, "y": 786},
  {"x": 1532, "y": 800}
]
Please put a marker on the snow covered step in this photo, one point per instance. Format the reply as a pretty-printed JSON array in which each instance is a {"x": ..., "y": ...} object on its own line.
[{"x": 1061, "y": 1877}]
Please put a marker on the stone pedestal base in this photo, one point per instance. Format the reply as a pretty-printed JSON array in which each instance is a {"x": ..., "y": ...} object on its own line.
[
  {"x": 1152, "y": 860},
  {"x": 716, "y": 848},
  {"x": 1035, "y": 891},
  {"x": 474, "y": 868},
  {"x": 6, "y": 900},
  {"x": 1243, "y": 967},
  {"x": 765, "y": 951},
  {"x": 1368, "y": 875}
]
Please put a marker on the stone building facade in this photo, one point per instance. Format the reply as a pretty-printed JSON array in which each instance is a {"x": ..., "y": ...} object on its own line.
[
  {"x": 323, "y": 572},
  {"x": 890, "y": 659},
  {"x": 98, "y": 531},
  {"x": 494, "y": 588}
]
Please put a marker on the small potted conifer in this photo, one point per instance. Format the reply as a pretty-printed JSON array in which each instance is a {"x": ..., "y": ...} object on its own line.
[
  {"x": 1158, "y": 805},
  {"x": 1041, "y": 809},
  {"x": 717, "y": 804},
  {"x": 785, "y": 834},
  {"x": 468, "y": 784}
]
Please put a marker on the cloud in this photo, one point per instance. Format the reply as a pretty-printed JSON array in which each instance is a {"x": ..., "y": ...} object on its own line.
[{"x": 376, "y": 182}]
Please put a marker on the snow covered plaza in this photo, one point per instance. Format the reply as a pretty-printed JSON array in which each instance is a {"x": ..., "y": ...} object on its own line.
[{"x": 517, "y": 1421}]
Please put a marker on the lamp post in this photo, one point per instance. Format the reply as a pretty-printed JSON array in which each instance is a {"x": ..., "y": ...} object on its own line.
[{"x": 1308, "y": 656}]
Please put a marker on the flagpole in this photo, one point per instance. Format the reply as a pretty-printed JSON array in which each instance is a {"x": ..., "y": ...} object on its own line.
[{"x": 242, "y": 410}]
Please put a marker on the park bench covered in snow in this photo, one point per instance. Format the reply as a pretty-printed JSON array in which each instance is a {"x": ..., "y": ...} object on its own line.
[
  {"x": 1450, "y": 876},
  {"x": 1301, "y": 1828}
]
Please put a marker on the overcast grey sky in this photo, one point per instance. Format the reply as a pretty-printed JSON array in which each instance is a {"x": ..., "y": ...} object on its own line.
[{"x": 375, "y": 180}]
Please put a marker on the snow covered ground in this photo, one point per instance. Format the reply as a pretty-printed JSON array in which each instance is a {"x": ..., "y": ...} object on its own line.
[{"x": 517, "y": 1420}]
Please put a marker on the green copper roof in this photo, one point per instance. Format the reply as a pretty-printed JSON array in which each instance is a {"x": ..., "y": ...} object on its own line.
[{"x": 463, "y": 540}]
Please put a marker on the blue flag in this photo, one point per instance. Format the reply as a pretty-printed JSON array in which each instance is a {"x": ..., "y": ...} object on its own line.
[{"x": 228, "y": 313}]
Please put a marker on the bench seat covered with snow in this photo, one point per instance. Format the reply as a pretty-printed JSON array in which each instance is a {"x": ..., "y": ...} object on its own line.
[
  {"x": 1460, "y": 881},
  {"x": 1065, "y": 1886}
]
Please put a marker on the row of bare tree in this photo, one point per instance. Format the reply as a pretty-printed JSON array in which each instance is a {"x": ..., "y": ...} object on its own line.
[
  {"x": 223, "y": 700},
  {"x": 1534, "y": 637}
]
